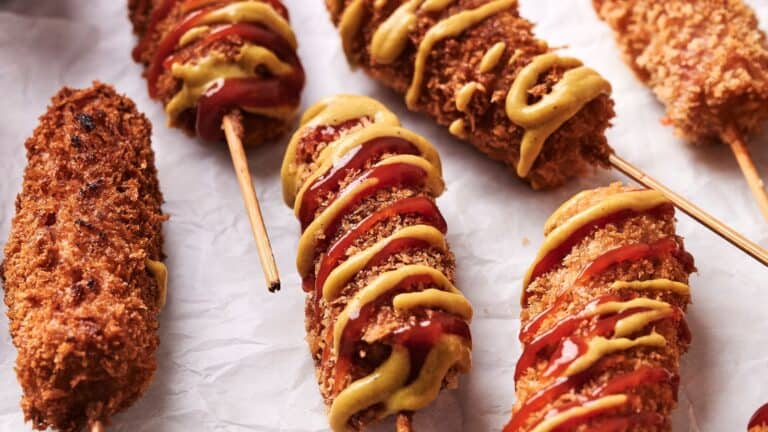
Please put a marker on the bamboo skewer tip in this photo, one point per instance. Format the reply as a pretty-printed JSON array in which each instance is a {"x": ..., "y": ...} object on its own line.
[
  {"x": 735, "y": 140},
  {"x": 233, "y": 131},
  {"x": 713, "y": 224},
  {"x": 97, "y": 426}
]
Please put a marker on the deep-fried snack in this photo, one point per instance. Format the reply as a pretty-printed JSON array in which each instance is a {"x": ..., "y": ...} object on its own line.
[
  {"x": 707, "y": 61},
  {"x": 603, "y": 325},
  {"x": 759, "y": 421},
  {"x": 386, "y": 326},
  {"x": 207, "y": 58},
  {"x": 84, "y": 281},
  {"x": 476, "y": 67}
]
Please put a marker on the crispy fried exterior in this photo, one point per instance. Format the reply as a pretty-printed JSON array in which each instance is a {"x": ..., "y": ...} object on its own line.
[
  {"x": 659, "y": 398},
  {"x": 374, "y": 348},
  {"x": 573, "y": 150},
  {"x": 258, "y": 128},
  {"x": 139, "y": 12},
  {"x": 83, "y": 307},
  {"x": 707, "y": 61}
]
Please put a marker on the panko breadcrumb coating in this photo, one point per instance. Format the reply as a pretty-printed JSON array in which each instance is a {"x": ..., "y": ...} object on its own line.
[
  {"x": 82, "y": 303},
  {"x": 706, "y": 60},
  {"x": 630, "y": 388},
  {"x": 401, "y": 214},
  {"x": 239, "y": 61},
  {"x": 573, "y": 149}
]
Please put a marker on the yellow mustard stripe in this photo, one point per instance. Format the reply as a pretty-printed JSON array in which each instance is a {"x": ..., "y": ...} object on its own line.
[
  {"x": 637, "y": 201},
  {"x": 458, "y": 128},
  {"x": 449, "y": 27},
  {"x": 576, "y": 88},
  {"x": 197, "y": 77},
  {"x": 160, "y": 272},
  {"x": 192, "y": 35},
  {"x": 636, "y": 322},
  {"x": 435, "y": 5},
  {"x": 331, "y": 111},
  {"x": 653, "y": 284},
  {"x": 391, "y": 36},
  {"x": 465, "y": 93},
  {"x": 551, "y": 222},
  {"x": 604, "y": 403},
  {"x": 449, "y": 351},
  {"x": 600, "y": 347},
  {"x": 336, "y": 150},
  {"x": 347, "y": 270},
  {"x": 381, "y": 284},
  {"x": 251, "y": 11},
  {"x": 453, "y": 303},
  {"x": 308, "y": 240},
  {"x": 370, "y": 390},
  {"x": 310, "y": 236},
  {"x": 492, "y": 57},
  {"x": 349, "y": 26}
]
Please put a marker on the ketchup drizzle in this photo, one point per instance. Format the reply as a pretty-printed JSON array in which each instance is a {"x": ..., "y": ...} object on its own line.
[
  {"x": 556, "y": 255},
  {"x": 226, "y": 94}
]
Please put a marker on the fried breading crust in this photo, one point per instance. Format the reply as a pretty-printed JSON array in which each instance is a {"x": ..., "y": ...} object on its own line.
[
  {"x": 707, "y": 61},
  {"x": 573, "y": 150},
  {"x": 655, "y": 398},
  {"x": 83, "y": 307},
  {"x": 257, "y": 128},
  {"x": 374, "y": 347}
]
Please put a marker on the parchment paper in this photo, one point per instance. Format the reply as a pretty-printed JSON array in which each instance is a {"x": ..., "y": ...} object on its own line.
[{"x": 233, "y": 357}]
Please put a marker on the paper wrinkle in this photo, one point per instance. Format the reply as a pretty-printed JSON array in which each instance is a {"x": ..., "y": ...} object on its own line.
[{"x": 233, "y": 357}]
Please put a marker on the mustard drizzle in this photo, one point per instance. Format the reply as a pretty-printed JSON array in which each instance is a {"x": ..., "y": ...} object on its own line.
[
  {"x": 578, "y": 86},
  {"x": 651, "y": 310},
  {"x": 197, "y": 76},
  {"x": 386, "y": 385}
]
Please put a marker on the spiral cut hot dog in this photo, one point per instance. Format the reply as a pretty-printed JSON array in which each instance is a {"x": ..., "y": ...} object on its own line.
[
  {"x": 83, "y": 277},
  {"x": 603, "y": 317},
  {"x": 387, "y": 327},
  {"x": 475, "y": 66},
  {"x": 207, "y": 58},
  {"x": 706, "y": 61}
]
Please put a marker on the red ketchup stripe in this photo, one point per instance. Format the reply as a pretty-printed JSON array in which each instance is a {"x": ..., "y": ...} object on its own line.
[
  {"x": 760, "y": 418},
  {"x": 253, "y": 33},
  {"x": 168, "y": 45},
  {"x": 225, "y": 95},
  {"x": 157, "y": 15},
  {"x": 387, "y": 176},
  {"x": 632, "y": 252},
  {"x": 419, "y": 206},
  {"x": 555, "y": 256},
  {"x": 355, "y": 159},
  {"x": 621, "y": 383}
]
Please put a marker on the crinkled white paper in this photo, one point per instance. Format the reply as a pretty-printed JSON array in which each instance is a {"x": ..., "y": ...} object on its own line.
[{"x": 233, "y": 357}]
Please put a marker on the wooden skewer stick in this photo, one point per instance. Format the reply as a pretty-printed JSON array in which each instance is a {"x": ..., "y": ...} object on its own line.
[
  {"x": 404, "y": 422},
  {"x": 97, "y": 426},
  {"x": 740, "y": 150},
  {"x": 233, "y": 132},
  {"x": 719, "y": 228}
]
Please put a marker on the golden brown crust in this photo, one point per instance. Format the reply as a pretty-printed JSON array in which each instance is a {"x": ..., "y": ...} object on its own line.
[
  {"x": 374, "y": 345},
  {"x": 543, "y": 292},
  {"x": 708, "y": 62},
  {"x": 82, "y": 305},
  {"x": 573, "y": 150},
  {"x": 258, "y": 128}
]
